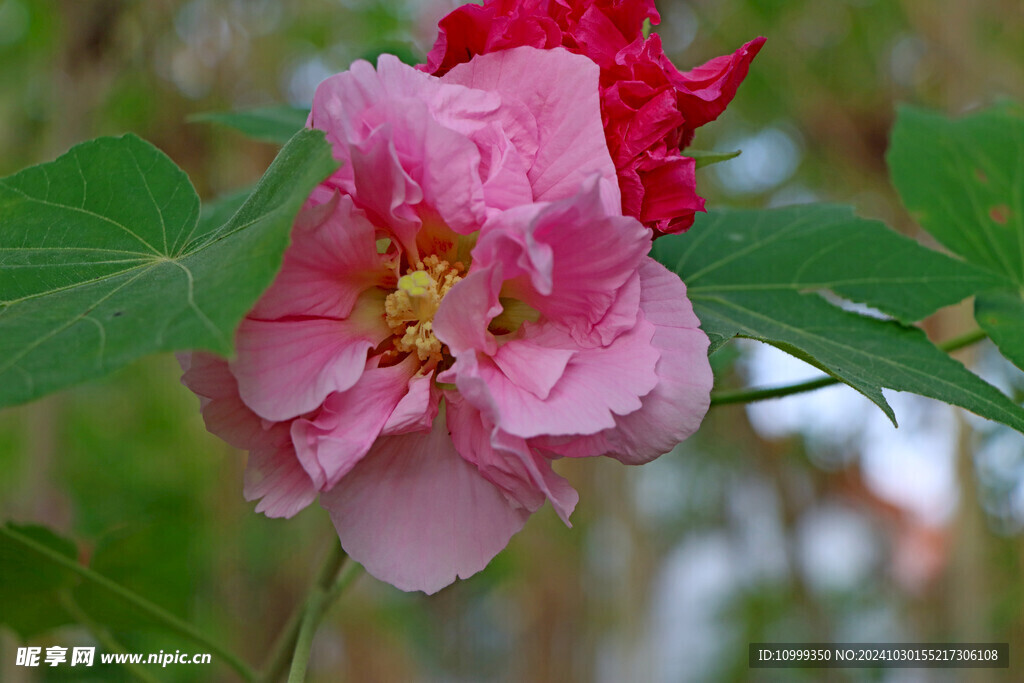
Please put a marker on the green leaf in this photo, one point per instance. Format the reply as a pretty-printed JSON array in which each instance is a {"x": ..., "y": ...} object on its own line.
[
  {"x": 219, "y": 211},
  {"x": 1001, "y": 314},
  {"x": 30, "y": 583},
  {"x": 757, "y": 274},
  {"x": 963, "y": 180},
  {"x": 148, "y": 560},
  {"x": 707, "y": 158},
  {"x": 277, "y": 123},
  {"x": 807, "y": 248},
  {"x": 103, "y": 260}
]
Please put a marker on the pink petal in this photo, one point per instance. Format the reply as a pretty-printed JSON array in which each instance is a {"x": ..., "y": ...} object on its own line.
[
  {"x": 507, "y": 183},
  {"x": 585, "y": 255},
  {"x": 674, "y": 409},
  {"x": 561, "y": 89},
  {"x": 596, "y": 385},
  {"x": 331, "y": 260},
  {"x": 287, "y": 368},
  {"x": 417, "y": 409},
  {"x": 330, "y": 445},
  {"x": 507, "y": 461},
  {"x": 223, "y": 411},
  {"x": 531, "y": 366},
  {"x": 385, "y": 189},
  {"x": 417, "y": 515},
  {"x": 275, "y": 476},
  {"x": 466, "y": 311},
  {"x": 273, "y": 473},
  {"x": 410, "y": 147}
]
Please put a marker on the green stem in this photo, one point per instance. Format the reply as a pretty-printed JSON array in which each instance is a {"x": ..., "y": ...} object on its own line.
[
  {"x": 102, "y": 636},
  {"x": 722, "y": 398},
  {"x": 158, "y": 614},
  {"x": 296, "y": 640}
]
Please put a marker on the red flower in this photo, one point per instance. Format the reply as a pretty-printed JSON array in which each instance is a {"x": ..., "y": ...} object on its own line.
[{"x": 649, "y": 108}]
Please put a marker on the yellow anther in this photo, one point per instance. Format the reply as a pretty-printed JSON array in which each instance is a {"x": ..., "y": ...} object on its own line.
[{"x": 411, "y": 307}]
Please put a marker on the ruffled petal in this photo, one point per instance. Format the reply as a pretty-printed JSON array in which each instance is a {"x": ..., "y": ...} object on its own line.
[
  {"x": 670, "y": 196},
  {"x": 507, "y": 461},
  {"x": 331, "y": 260},
  {"x": 275, "y": 477},
  {"x": 417, "y": 515},
  {"x": 566, "y": 259},
  {"x": 567, "y": 108},
  {"x": 465, "y": 312},
  {"x": 675, "y": 408},
  {"x": 417, "y": 409},
  {"x": 223, "y": 411},
  {"x": 287, "y": 368},
  {"x": 596, "y": 385},
  {"x": 330, "y": 444},
  {"x": 273, "y": 473},
  {"x": 705, "y": 92}
]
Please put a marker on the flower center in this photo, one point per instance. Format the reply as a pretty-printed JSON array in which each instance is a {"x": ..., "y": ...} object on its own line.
[{"x": 411, "y": 307}]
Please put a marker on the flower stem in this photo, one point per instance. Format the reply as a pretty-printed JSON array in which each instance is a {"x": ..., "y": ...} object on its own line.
[
  {"x": 296, "y": 640},
  {"x": 751, "y": 395},
  {"x": 158, "y": 614}
]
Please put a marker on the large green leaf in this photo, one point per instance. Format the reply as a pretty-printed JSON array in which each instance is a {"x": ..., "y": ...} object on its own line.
[
  {"x": 276, "y": 123},
  {"x": 102, "y": 259},
  {"x": 824, "y": 247},
  {"x": 758, "y": 274},
  {"x": 963, "y": 180}
]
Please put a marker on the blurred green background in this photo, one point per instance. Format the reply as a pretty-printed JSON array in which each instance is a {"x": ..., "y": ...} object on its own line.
[{"x": 803, "y": 520}]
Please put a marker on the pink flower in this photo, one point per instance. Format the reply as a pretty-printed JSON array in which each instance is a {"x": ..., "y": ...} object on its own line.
[
  {"x": 650, "y": 110},
  {"x": 462, "y": 303}
]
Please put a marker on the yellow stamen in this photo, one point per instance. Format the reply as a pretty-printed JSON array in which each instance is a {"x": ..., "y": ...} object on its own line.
[{"x": 411, "y": 307}]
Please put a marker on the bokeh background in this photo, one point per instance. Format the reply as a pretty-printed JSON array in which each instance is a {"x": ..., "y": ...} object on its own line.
[{"x": 804, "y": 519}]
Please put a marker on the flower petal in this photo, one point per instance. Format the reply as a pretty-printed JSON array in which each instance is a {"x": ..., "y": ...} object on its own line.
[
  {"x": 507, "y": 461},
  {"x": 223, "y": 411},
  {"x": 561, "y": 89},
  {"x": 332, "y": 258},
  {"x": 417, "y": 515},
  {"x": 674, "y": 409},
  {"x": 417, "y": 409},
  {"x": 287, "y": 368},
  {"x": 275, "y": 476},
  {"x": 344, "y": 429},
  {"x": 567, "y": 259},
  {"x": 597, "y": 384},
  {"x": 273, "y": 473},
  {"x": 705, "y": 91}
]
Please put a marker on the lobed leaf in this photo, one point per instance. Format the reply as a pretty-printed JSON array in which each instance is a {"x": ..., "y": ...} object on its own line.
[
  {"x": 103, "y": 259},
  {"x": 963, "y": 180},
  {"x": 758, "y": 274}
]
